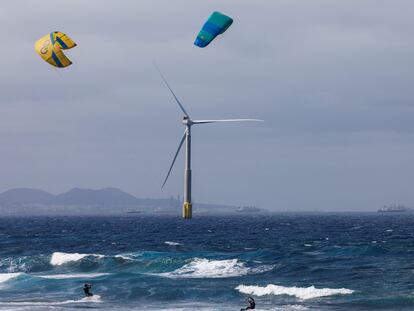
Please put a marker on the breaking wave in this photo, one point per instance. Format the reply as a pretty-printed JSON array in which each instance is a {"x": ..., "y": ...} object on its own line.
[
  {"x": 4, "y": 277},
  {"x": 124, "y": 257},
  {"x": 172, "y": 243},
  {"x": 205, "y": 268},
  {"x": 59, "y": 259},
  {"x": 299, "y": 292},
  {"x": 73, "y": 276}
]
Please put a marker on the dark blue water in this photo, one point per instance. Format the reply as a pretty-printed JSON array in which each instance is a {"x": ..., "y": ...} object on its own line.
[{"x": 286, "y": 262}]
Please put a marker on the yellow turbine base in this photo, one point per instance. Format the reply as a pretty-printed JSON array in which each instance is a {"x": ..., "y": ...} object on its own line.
[{"x": 187, "y": 210}]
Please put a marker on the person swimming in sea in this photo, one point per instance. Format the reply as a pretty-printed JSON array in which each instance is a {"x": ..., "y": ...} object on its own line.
[
  {"x": 251, "y": 306},
  {"x": 87, "y": 290}
]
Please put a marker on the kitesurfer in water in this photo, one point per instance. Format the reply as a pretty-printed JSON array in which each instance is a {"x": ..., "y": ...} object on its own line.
[
  {"x": 251, "y": 306},
  {"x": 87, "y": 290}
]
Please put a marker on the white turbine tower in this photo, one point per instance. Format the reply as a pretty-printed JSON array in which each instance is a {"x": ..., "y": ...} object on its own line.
[{"x": 188, "y": 123}]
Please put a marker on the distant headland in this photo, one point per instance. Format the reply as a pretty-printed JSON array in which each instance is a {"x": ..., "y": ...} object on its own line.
[{"x": 106, "y": 201}]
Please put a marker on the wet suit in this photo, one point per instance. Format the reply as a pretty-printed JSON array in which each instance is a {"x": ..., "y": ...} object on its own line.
[
  {"x": 87, "y": 290},
  {"x": 252, "y": 304}
]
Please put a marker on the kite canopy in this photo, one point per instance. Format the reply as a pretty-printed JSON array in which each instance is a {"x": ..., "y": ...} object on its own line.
[
  {"x": 50, "y": 48},
  {"x": 216, "y": 24}
]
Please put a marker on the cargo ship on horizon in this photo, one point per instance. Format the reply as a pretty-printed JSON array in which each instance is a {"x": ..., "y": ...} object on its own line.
[{"x": 395, "y": 208}]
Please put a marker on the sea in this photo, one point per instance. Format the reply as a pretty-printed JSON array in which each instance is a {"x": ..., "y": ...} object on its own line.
[{"x": 292, "y": 261}]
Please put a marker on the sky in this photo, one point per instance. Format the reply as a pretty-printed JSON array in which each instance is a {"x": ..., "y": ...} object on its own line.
[{"x": 331, "y": 79}]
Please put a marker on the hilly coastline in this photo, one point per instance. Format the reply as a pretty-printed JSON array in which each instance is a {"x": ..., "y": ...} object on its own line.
[{"x": 78, "y": 201}]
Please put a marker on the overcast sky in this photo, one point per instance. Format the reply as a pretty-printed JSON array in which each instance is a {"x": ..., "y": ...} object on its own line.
[{"x": 333, "y": 81}]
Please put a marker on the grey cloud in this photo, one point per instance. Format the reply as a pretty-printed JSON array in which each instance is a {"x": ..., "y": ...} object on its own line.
[{"x": 332, "y": 79}]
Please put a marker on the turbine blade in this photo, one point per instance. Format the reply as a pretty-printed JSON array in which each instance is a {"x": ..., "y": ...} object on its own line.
[
  {"x": 166, "y": 83},
  {"x": 226, "y": 120},
  {"x": 175, "y": 157}
]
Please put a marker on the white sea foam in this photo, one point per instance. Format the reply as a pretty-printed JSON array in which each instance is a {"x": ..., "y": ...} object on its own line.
[
  {"x": 205, "y": 268},
  {"x": 4, "y": 277},
  {"x": 72, "y": 276},
  {"x": 124, "y": 257},
  {"x": 172, "y": 243},
  {"x": 59, "y": 259},
  {"x": 93, "y": 299},
  {"x": 14, "y": 264},
  {"x": 299, "y": 292}
]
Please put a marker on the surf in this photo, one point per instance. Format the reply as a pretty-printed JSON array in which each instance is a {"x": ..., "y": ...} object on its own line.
[
  {"x": 59, "y": 258},
  {"x": 304, "y": 293},
  {"x": 209, "y": 268},
  {"x": 5, "y": 277},
  {"x": 72, "y": 276},
  {"x": 93, "y": 299}
]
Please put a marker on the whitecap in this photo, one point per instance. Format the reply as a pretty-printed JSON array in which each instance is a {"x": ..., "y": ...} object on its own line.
[
  {"x": 59, "y": 258},
  {"x": 124, "y": 257},
  {"x": 206, "y": 268},
  {"x": 72, "y": 276},
  {"x": 172, "y": 243},
  {"x": 299, "y": 292},
  {"x": 4, "y": 277}
]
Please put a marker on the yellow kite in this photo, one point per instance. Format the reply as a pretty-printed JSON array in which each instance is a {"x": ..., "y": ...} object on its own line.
[{"x": 50, "y": 48}]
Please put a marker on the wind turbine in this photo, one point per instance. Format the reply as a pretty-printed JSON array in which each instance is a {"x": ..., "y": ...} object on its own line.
[{"x": 188, "y": 123}]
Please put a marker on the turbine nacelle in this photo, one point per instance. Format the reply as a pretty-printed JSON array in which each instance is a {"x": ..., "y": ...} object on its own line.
[{"x": 187, "y": 121}]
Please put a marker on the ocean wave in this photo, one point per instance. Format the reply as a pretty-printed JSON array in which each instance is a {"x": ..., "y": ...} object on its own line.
[
  {"x": 172, "y": 243},
  {"x": 221, "y": 307},
  {"x": 299, "y": 292},
  {"x": 206, "y": 268},
  {"x": 59, "y": 258},
  {"x": 72, "y": 276},
  {"x": 4, "y": 277},
  {"x": 124, "y": 257},
  {"x": 93, "y": 299}
]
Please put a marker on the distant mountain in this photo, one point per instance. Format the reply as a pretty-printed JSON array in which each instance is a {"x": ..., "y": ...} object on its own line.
[
  {"x": 77, "y": 201},
  {"x": 106, "y": 196},
  {"x": 25, "y": 195}
]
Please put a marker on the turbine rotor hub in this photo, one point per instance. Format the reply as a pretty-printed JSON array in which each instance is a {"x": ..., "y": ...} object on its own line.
[{"x": 187, "y": 121}]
